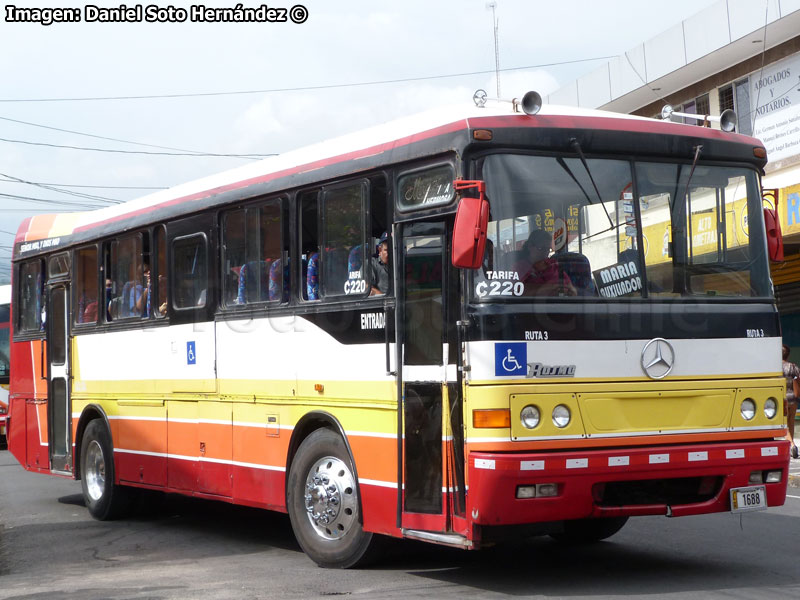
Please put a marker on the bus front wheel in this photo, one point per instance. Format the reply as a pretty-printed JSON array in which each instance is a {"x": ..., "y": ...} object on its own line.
[
  {"x": 103, "y": 498},
  {"x": 323, "y": 503},
  {"x": 582, "y": 531}
]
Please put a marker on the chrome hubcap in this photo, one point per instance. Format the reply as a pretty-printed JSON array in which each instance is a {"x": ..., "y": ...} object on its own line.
[
  {"x": 330, "y": 498},
  {"x": 95, "y": 471}
]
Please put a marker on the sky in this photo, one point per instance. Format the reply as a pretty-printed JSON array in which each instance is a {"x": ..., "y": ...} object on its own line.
[{"x": 350, "y": 64}]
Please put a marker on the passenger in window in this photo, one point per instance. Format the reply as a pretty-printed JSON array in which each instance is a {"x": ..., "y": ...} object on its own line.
[
  {"x": 135, "y": 293},
  {"x": 379, "y": 268},
  {"x": 538, "y": 271}
]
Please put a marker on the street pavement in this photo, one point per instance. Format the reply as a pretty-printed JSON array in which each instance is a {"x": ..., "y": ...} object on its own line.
[{"x": 794, "y": 472}]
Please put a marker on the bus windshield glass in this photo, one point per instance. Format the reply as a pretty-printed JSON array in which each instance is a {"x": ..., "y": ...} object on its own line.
[{"x": 613, "y": 229}]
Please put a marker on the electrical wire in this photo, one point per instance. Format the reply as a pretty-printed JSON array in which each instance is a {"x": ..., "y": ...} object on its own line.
[
  {"x": 100, "y": 137},
  {"x": 245, "y": 156},
  {"x": 305, "y": 88},
  {"x": 104, "y": 187},
  {"x": 52, "y": 188}
]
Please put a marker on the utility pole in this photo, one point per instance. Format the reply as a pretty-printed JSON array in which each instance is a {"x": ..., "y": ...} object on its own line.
[{"x": 495, "y": 26}]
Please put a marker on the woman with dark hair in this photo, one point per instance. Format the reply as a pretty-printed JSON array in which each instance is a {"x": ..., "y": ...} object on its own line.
[
  {"x": 539, "y": 271},
  {"x": 792, "y": 374}
]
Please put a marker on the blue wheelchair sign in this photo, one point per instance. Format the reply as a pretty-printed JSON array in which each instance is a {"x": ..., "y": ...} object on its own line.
[
  {"x": 510, "y": 358},
  {"x": 191, "y": 354}
]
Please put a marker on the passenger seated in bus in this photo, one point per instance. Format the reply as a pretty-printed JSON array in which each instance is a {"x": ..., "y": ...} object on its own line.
[
  {"x": 538, "y": 271},
  {"x": 379, "y": 268}
]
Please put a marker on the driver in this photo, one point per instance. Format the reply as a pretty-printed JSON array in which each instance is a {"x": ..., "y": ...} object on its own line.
[{"x": 538, "y": 271}]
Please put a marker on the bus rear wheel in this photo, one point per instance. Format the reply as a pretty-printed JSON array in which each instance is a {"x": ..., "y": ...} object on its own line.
[
  {"x": 323, "y": 503},
  {"x": 104, "y": 499},
  {"x": 583, "y": 531}
]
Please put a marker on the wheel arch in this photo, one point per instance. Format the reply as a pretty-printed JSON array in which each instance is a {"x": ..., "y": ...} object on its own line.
[
  {"x": 89, "y": 414},
  {"x": 307, "y": 425}
]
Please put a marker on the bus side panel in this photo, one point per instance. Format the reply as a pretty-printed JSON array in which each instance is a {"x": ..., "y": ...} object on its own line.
[{"x": 28, "y": 405}]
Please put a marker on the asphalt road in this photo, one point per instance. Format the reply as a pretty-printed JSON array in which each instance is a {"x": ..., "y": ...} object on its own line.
[{"x": 182, "y": 548}]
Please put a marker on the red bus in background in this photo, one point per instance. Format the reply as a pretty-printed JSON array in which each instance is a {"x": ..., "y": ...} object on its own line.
[{"x": 5, "y": 367}]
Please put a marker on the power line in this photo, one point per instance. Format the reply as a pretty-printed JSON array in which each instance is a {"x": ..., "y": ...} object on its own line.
[
  {"x": 304, "y": 88},
  {"x": 247, "y": 156},
  {"x": 48, "y": 201},
  {"x": 104, "y": 187},
  {"x": 56, "y": 189},
  {"x": 100, "y": 137}
]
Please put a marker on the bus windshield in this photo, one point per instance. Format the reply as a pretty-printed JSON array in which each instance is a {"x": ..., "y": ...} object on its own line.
[{"x": 609, "y": 229}]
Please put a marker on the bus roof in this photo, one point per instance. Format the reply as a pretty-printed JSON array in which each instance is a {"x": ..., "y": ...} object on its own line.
[{"x": 426, "y": 134}]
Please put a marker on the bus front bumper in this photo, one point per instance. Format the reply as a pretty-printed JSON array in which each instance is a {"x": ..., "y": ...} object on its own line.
[{"x": 660, "y": 480}]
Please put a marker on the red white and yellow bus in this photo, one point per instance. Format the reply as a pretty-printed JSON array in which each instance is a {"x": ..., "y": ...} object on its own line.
[{"x": 579, "y": 327}]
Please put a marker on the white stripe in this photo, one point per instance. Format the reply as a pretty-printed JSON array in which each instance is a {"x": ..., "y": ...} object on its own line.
[
  {"x": 126, "y": 418},
  {"x": 531, "y": 465},
  {"x": 483, "y": 463},
  {"x": 698, "y": 456},
  {"x": 577, "y": 463},
  {"x": 386, "y": 484},
  {"x": 549, "y": 437},
  {"x": 200, "y": 459},
  {"x": 619, "y": 461},
  {"x": 736, "y": 453},
  {"x": 487, "y": 440},
  {"x": 656, "y": 459},
  {"x": 770, "y": 451}
]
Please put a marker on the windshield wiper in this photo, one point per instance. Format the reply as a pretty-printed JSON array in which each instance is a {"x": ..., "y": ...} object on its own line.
[{"x": 577, "y": 147}]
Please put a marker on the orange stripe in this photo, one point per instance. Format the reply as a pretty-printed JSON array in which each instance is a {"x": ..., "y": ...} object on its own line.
[{"x": 40, "y": 227}]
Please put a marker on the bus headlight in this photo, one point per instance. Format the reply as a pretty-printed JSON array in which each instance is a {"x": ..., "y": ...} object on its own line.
[
  {"x": 748, "y": 409},
  {"x": 530, "y": 417},
  {"x": 561, "y": 416},
  {"x": 770, "y": 408}
]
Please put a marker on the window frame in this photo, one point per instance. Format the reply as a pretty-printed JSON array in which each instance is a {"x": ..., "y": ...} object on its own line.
[{"x": 173, "y": 280}]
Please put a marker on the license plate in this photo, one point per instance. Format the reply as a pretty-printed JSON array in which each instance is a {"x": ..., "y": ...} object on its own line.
[{"x": 748, "y": 498}]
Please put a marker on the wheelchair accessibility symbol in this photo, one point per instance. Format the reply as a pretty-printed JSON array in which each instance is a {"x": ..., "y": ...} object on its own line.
[
  {"x": 510, "y": 359},
  {"x": 191, "y": 356}
]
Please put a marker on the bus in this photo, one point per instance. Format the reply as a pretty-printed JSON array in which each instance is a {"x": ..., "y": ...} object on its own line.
[
  {"x": 579, "y": 327},
  {"x": 5, "y": 308}
]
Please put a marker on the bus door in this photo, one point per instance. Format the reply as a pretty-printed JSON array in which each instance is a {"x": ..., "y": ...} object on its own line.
[
  {"x": 59, "y": 409},
  {"x": 428, "y": 382}
]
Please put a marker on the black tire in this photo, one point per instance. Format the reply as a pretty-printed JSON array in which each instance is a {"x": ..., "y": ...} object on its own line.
[
  {"x": 105, "y": 500},
  {"x": 323, "y": 503},
  {"x": 585, "y": 531}
]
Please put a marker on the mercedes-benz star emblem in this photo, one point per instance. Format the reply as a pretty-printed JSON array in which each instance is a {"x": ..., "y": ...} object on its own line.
[{"x": 658, "y": 357}]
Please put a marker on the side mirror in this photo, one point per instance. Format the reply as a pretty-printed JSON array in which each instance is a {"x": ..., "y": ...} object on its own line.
[
  {"x": 772, "y": 225},
  {"x": 469, "y": 230}
]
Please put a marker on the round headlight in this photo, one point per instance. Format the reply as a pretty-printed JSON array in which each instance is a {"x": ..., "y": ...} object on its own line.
[
  {"x": 770, "y": 408},
  {"x": 561, "y": 416},
  {"x": 529, "y": 416},
  {"x": 748, "y": 409}
]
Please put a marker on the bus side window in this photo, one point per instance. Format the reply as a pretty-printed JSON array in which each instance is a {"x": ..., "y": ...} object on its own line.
[
  {"x": 86, "y": 302},
  {"x": 190, "y": 269},
  {"x": 30, "y": 297},
  {"x": 159, "y": 302},
  {"x": 309, "y": 246},
  {"x": 344, "y": 233},
  {"x": 379, "y": 219}
]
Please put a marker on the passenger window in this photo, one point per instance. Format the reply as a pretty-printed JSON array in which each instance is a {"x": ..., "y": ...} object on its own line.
[
  {"x": 86, "y": 302},
  {"x": 344, "y": 272},
  {"x": 253, "y": 251},
  {"x": 190, "y": 270},
  {"x": 129, "y": 278},
  {"x": 30, "y": 297},
  {"x": 309, "y": 246},
  {"x": 160, "y": 291}
]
